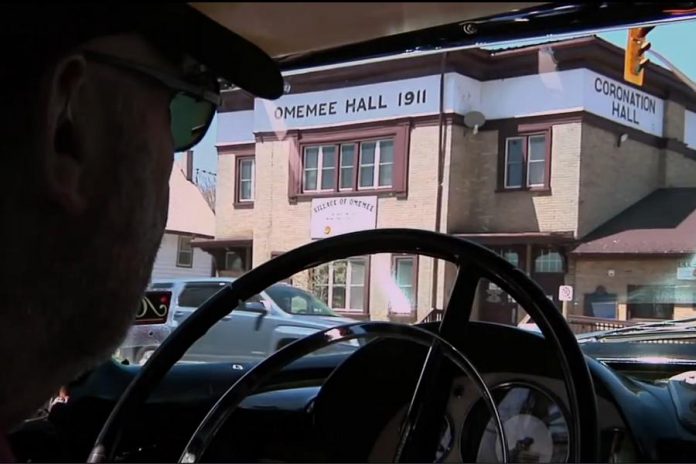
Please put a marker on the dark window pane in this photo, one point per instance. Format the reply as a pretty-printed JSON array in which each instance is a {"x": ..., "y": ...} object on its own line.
[
  {"x": 246, "y": 190},
  {"x": 347, "y": 155},
  {"x": 328, "y": 178},
  {"x": 328, "y": 157},
  {"x": 367, "y": 155},
  {"x": 367, "y": 176},
  {"x": 311, "y": 157},
  {"x": 339, "y": 273},
  {"x": 339, "y": 298},
  {"x": 310, "y": 180},
  {"x": 347, "y": 178},
  {"x": 537, "y": 147},
  {"x": 404, "y": 271},
  {"x": 549, "y": 261},
  {"x": 514, "y": 175},
  {"x": 386, "y": 151},
  {"x": 357, "y": 297},
  {"x": 537, "y": 173},
  {"x": 357, "y": 272},
  {"x": 247, "y": 168},
  {"x": 385, "y": 175},
  {"x": 515, "y": 150}
]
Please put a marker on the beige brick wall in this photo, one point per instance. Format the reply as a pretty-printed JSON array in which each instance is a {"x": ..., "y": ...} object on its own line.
[
  {"x": 229, "y": 221},
  {"x": 674, "y": 120},
  {"x": 279, "y": 225},
  {"x": 680, "y": 171},
  {"x": 613, "y": 178},
  {"x": 481, "y": 209},
  {"x": 589, "y": 273}
]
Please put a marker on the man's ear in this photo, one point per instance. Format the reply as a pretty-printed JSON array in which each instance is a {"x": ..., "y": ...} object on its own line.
[{"x": 63, "y": 154}]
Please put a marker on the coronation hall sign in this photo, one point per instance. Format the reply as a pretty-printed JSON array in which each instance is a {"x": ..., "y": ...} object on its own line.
[
  {"x": 388, "y": 100},
  {"x": 624, "y": 104}
]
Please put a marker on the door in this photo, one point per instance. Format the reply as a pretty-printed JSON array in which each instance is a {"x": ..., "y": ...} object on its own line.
[
  {"x": 233, "y": 338},
  {"x": 241, "y": 336},
  {"x": 495, "y": 304},
  {"x": 548, "y": 271}
]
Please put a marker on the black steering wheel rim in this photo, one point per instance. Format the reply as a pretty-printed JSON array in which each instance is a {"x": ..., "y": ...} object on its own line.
[
  {"x": 246, "y": 385},
  {"x": 578, "y": 381}
]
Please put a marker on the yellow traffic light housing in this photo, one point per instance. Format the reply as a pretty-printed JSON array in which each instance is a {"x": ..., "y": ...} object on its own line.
[{"x": 635, "y": 60}]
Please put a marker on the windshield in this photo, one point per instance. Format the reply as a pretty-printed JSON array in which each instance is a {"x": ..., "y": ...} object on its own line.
[
  {"x": 543, "y": 151},
  {"x": 294, "y": 300}
]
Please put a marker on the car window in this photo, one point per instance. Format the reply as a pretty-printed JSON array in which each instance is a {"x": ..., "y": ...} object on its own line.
[
  {"x": 161, "y": 286},
  {"x": 194, "y": 295},
  {"x": 294, "y": 300}
]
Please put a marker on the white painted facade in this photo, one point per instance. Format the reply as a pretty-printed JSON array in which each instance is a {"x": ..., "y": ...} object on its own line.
[
  {"x": 531, "y": 95},
  {"x": 165, "y": 263},
  {"x": 188, "y": 215}
]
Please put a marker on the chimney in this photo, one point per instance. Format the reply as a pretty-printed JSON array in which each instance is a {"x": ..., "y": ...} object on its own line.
[{"x": 188, "y": 170}]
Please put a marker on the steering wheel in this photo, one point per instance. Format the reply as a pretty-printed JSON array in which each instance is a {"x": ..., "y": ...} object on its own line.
[{"x": 419, "y": 433}]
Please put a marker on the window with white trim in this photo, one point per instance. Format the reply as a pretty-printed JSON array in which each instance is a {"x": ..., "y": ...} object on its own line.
[
  {"x": 366, "y": 165},
  {"x": 406, "y": 276},
  {"x": 184, "y": 252},
  {"x": 548, "y": 261},
  {"x": 342, "y": 284},
  {"x": 526, "y": 161},
  {"x": 245, "y": 179}
]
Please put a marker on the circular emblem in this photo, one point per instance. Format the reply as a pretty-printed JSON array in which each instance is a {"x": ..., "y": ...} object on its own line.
[{"x": 327, "y": 230}]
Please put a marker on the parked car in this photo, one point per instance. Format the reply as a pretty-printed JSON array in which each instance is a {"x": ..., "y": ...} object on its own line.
[{"x": 267, "y": 322}]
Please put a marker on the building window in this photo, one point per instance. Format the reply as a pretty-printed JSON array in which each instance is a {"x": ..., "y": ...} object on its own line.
[
  {"x": 350, "y": 161},
  {"x": 245, "y": 180},
  {"x": 342, "y": 284},
  {"x": 527, "y": 161},
  {"x": 548, "y": 261},
  {"x": 331, "y": 168},
  {"x": 184, "y": 252},
  {"x": 405, "y": 275},
  {"x": 511, "y": 256},
  {"x": 650, "y": 302},
  {"x": 376, "y": 164},
  {"x": 234, "y": 262}
]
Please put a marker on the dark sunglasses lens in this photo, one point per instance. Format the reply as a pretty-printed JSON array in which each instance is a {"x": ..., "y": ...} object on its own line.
[{"x": 190, "y": 120}]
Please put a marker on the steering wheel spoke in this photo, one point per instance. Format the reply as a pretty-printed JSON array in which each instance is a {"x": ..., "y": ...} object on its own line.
[{"x": 420, "y": 430}]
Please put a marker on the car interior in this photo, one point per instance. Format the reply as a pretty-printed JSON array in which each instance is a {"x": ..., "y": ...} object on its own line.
[{"x": 445, "y": 389}]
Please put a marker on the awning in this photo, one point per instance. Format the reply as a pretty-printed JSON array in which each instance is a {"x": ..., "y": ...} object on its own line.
[
  {"x": 663, "y": 223},
  {"x": 222, "y": 243},
  {"x": 519, "y": 238}
]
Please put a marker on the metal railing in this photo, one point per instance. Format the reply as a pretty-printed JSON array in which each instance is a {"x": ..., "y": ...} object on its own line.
[
  {"x": 434, "y": 315},
  {"x": 578, "y": 324},
  {"x": 585, "y": 324}
]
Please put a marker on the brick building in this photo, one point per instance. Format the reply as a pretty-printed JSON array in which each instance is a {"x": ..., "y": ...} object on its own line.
[{"x": 569, "y": 172}]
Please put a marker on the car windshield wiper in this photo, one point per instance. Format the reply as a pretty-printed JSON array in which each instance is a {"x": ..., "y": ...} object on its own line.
[{"x": 675, "y": 328}]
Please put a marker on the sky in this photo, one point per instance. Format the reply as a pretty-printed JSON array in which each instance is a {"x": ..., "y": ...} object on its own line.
[{"x": 676, "y": 41}]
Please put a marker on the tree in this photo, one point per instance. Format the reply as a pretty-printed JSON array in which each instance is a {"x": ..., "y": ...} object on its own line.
[{"x": 205, "y": 181}]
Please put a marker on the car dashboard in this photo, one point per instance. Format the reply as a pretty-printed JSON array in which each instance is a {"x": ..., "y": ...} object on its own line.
[{"x": 337, "y": 407}]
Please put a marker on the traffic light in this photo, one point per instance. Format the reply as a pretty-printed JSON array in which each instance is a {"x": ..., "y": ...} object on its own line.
[{"x": 635, "y": 59}]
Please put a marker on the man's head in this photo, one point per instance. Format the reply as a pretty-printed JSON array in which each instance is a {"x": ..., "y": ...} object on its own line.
[{"x": 87, "y": 146}]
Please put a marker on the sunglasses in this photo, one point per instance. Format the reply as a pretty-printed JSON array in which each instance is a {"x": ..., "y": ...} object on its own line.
[{"x": 192, "y": 107}]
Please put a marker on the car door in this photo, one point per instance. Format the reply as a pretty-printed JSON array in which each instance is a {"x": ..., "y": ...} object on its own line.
[
  {"x": 233, "y": 338},
  {"x": 241, "y": 335}
]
